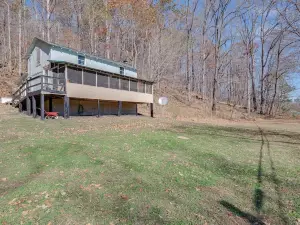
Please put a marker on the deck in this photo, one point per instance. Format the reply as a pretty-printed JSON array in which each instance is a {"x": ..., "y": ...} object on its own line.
[{"x": 73, "y": 81}]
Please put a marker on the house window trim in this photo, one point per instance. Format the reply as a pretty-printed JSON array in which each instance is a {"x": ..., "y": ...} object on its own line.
[
  {"x": 122, "y": 70},
  {"x": 79, "y": 60}
]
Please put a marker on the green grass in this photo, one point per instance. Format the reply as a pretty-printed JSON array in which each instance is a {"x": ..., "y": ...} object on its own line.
[{"x": 139, "y": 171}]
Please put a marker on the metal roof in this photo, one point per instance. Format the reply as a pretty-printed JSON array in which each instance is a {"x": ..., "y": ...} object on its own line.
[{"x": 108, "y": 61}]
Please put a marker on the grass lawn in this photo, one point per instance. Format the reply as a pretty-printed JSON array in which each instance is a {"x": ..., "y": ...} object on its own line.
[{"x": 136, "y": 170}]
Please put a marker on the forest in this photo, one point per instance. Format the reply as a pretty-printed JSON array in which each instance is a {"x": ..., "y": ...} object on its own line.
[{"x": 239, "y": 52}]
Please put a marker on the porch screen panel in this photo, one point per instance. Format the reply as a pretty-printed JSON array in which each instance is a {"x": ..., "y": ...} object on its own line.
[
  {"x": 102, "y": 80},
  {"x": 89, "y": 77},
  {"x": 133, "y": 85},
  {"x": 125, "y": 84},
  {"x": 114, "y": 82},
  {"x": 75, "y": 75},
  {"x": 141, "y": 87},
  {"x": 149, "y": 88},
  {"x": 58, "y": 74}
]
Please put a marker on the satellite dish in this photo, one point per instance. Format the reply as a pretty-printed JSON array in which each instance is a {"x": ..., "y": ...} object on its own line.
[{"x": 163, "y": 101}]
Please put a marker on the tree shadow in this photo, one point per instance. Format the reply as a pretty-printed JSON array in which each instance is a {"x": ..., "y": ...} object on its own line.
[
  {"x": 258, "y": 195},
  {"x": 239, "y": 133},
  {"x": 249, "y": 217},
  {"x": 275, "y": 180}
]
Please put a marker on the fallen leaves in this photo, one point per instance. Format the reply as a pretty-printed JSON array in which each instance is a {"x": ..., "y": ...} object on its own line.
[
  {"x": 91, "y": 187},
  {"x": 24, "y": 213},
  {"x": 12, "y": 201},
  {"x": 108, "y": 195},
  {"x": 48, "y": 203},
  {"x": 183, "y": 138},
  {"x": 124, "y": 197}
]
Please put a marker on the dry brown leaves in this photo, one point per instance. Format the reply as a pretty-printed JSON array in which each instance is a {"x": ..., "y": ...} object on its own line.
[{"x": 91, "y": 187}]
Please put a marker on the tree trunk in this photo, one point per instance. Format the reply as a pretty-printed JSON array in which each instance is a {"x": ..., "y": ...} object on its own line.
[
  {"x": 203, "y": 90},
  {"x": 9, "y": 37},
  {"x": 108, "y": 31},
  {"x": 248, "y": 82},
  {"x": 262, "y": 99},
  {"x": 253, "y": 84},
  {"x": 48, "y": 20},
  {"x": 276, "y": 79},
  {"x": 188, "y": 67},
  {"x": 193, "y": 71},
  {"x": 20, "y": 37},
  {"x": 214, "y": 97}
]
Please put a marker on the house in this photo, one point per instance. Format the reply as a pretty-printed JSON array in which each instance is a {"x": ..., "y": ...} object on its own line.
[{"x": 73, "y": 83}]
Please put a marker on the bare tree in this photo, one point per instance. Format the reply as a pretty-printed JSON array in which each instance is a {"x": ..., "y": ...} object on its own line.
[{"x": 9, "y": 35}]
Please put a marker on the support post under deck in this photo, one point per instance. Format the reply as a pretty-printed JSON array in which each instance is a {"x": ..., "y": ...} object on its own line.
[
  {"x": 20, "y": 107},
  {"x": 119, "y": 108},
  {"x": 42, "y": 104},
  {"x": 136, "y": 109},
  {"x": 98, "y": 108},
  {"x": 66, "y": 107},
  {"x": 151, "y": 110},
  {"x": 28, "y": 106},
  {"x": 33, "y": 107}
]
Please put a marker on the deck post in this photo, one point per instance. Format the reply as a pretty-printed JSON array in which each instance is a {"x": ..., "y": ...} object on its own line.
[
  {"x": 151, "y": 110},
  {"x": 28, "y": 106},
  {"x": 50, "y": 105},
  {"x": 119, "y": 108},
  {"x": 33, "y": 107},
  {"x": 66, "y": 107},
  {"x": 42, "y": 104},
  {"x": 136, "y": 109},
  {"x": 20, "y": 107},
  {"x": 98, "y": 107}
]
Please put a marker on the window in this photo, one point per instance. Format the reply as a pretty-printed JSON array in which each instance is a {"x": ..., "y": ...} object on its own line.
[
  {"x": 38, "y": 56},
  {"x": 114, "y": 82},
  {"x": 81, "y": 60},
  {"x": 133, "y": 85},
  {"x": 125, "y": 84},
  {"x": 89, "y": 78},
  {"x": 141, "y": 86},
  {"x": 102, "y": 80},
  {"x": 122, "y": 70},
  {"x": 75, "y": 75},
  {"x": 149, "y": 88}
]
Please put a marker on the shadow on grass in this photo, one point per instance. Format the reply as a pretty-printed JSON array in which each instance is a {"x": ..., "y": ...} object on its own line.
[
  {"x": 274, "y": 178},
  {"x": 251, "y": 135},
  {"x": 36, "y": 170},
  {"x": 258, "y": 196},
  {"x": 238, "y": 133},
  {"x": 236, "y": 211}
]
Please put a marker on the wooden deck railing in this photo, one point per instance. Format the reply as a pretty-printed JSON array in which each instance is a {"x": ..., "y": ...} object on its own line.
[{"x": 39, "y": 83}]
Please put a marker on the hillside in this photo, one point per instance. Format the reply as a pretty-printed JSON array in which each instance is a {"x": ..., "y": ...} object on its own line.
[{"x": 8, "y": 81}]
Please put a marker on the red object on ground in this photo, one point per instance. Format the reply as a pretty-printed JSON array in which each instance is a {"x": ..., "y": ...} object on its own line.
[{"x": 53, "y": 115}]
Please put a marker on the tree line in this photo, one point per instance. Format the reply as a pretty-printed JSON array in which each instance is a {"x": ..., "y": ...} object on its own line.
[{"x": 240, "y": 52}]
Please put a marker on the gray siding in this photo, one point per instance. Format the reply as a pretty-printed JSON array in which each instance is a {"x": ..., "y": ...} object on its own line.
[
  {"x": 33, "y": 67},
  {"x": 61, "y": 54}
]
